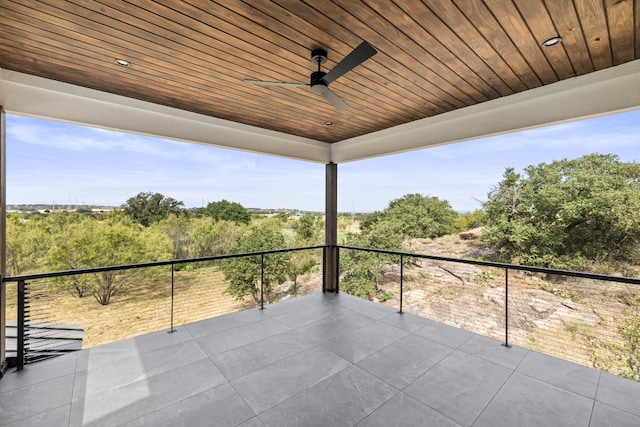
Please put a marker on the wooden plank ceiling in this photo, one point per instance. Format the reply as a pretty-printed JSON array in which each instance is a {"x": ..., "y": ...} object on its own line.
[{"x": 433, "y": 56}]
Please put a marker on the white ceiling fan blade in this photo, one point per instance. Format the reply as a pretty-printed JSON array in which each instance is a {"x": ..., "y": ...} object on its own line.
[{"x": 323, "y": 90}]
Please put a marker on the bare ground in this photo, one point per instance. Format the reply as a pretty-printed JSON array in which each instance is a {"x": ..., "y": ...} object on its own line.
[{"x": 198, "y": 294}]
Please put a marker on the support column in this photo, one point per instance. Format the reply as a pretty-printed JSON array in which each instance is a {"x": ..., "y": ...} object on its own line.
[
  {"x": 331, "y": 227},
  {"x": 3, "y": 235}
]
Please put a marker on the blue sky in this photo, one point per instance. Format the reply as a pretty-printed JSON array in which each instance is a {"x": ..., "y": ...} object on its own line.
[{"x": 57, "y": 162}]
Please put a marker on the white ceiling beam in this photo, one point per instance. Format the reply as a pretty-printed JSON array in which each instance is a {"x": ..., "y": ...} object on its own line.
[{"x": 39, "y": 97}]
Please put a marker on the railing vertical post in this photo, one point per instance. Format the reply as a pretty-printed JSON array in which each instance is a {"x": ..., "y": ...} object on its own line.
[
  {"x": 172, "y": 329},
  {"x": 337, "y": 269},
  {"x": 324, "y": 273},
  {"x": 506, "y": 308},
  {"x": 21, "y": 325},
  {"x": 401, "y": 274},
  {"x": 262, "y": 282}
]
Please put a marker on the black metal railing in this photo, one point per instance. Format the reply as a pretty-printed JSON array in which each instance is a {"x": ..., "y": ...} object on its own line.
[
  {"x": 503, "y": 307},
  {"x": 574, "y": 315},
  {"x": 35, "y": 332}
]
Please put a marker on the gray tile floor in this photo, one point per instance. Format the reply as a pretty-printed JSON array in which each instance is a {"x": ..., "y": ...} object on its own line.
[{"x": 319, "y": 360}]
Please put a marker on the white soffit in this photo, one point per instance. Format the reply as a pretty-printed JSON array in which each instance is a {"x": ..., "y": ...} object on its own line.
[
  {"x": 602, "y": 92},
  {"x": 38, "y": 97}
]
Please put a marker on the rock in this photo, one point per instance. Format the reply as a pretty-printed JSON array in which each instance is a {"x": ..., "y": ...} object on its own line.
[
  {"x": 540, "y": 305},
  {"x": 416, "y": 295},
  {"x": 494, "y": 295},
  {"x": 471, "y": 234}
]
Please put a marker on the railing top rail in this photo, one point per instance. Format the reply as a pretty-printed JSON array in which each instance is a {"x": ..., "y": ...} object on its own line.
[
  {"x": 62, "y": 273},
  {"x": 570, "y": 273}
]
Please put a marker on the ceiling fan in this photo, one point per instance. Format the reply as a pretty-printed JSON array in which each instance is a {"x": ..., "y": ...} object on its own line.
[{"x": 319, "y": 82}]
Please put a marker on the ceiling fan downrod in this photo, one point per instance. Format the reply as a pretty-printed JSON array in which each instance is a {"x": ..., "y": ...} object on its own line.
[{"x": 319, "y": 56}]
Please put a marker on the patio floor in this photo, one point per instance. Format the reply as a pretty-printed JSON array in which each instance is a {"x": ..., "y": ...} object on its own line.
[{"x": 318, "y": 360}]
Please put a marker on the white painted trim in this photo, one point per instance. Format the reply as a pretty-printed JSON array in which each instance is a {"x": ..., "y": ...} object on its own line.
[
  {"x": 603, "y": 92},
  {"x": 3, "y": 239},
  {"x": 39, "y": 97}
]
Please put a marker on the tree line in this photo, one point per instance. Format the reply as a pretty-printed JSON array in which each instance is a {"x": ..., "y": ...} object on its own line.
[
  {"x": 574, "y": 214},
  {"x": 152, "y": 227},
  {"x": 579, "y": 214}
]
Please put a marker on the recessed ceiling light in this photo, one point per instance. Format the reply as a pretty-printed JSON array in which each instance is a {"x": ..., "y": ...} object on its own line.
[
  {"x": 122, "y": 62},
  {"x": 328, "y": 123},
  {"x": 552, "y": 41}
]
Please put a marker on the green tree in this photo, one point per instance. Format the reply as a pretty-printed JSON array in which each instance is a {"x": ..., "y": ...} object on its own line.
[
  {"x": 211, "y": 237},
  {"x": 227, "y": 211},
  {"x": 567, "y": 214},
  {"x": 93, "y": 243},
  {"x": 419, "y": 216},
  {"x": 177, "y": 229},
  {"x": 630, "y": 349},
  {"x": 147, "y": 208},
  {"x": 362, "y": 271},
  {"x": 368, "y": 220},
  {"x": 55, "y": 224},
  {"x": 475, "y": 219},
  {"x": 621, "y": 358},
  {"x": 30, "y": 236},
  {"x": 26, "y": 244},
  {"x": 300, "y": 262},
  {"x": 308, "y": 230},
  {"x": 244, "y": 273},
  {"x": 282, "y": 217},
  {"x": 411, "y": 216}
]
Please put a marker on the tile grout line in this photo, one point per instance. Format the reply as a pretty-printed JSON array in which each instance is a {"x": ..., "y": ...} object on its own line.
[
  {"x": 489, "y": 360},
  {"x": 593, "y": 406},
  {"x": 232, "y": 328},
  {"x": 318, "y": 345},
  {"x": 262, "y": 367},
  {"x": 493, "y": 397},
  {"x": 609, "y": 404},
  {"x": 501, "y": 387},
  {"x": 558, "y": 385},
  {"x": 453, "y": 350},
  {"x": 380, "y": 406},
  {"x": 302, "y": 391},
  {"x": 26, "y": 372},
  {"x": 73, "y": 389},
  {"x": 245, "y": 402},
  {"x": 307, "y": 388},
  {"x": 289, "y": 329},
  {"x": 230, "y": 382},
  {"x": 39, "y": 413}
]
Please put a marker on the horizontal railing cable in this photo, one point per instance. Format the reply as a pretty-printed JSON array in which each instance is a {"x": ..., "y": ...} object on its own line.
[
  {"x": 587, "y": 318},
  {"x": 38, "y": 298},
  {"x": 89, "y": 270},
  {"x": 569, "y": 273}
]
